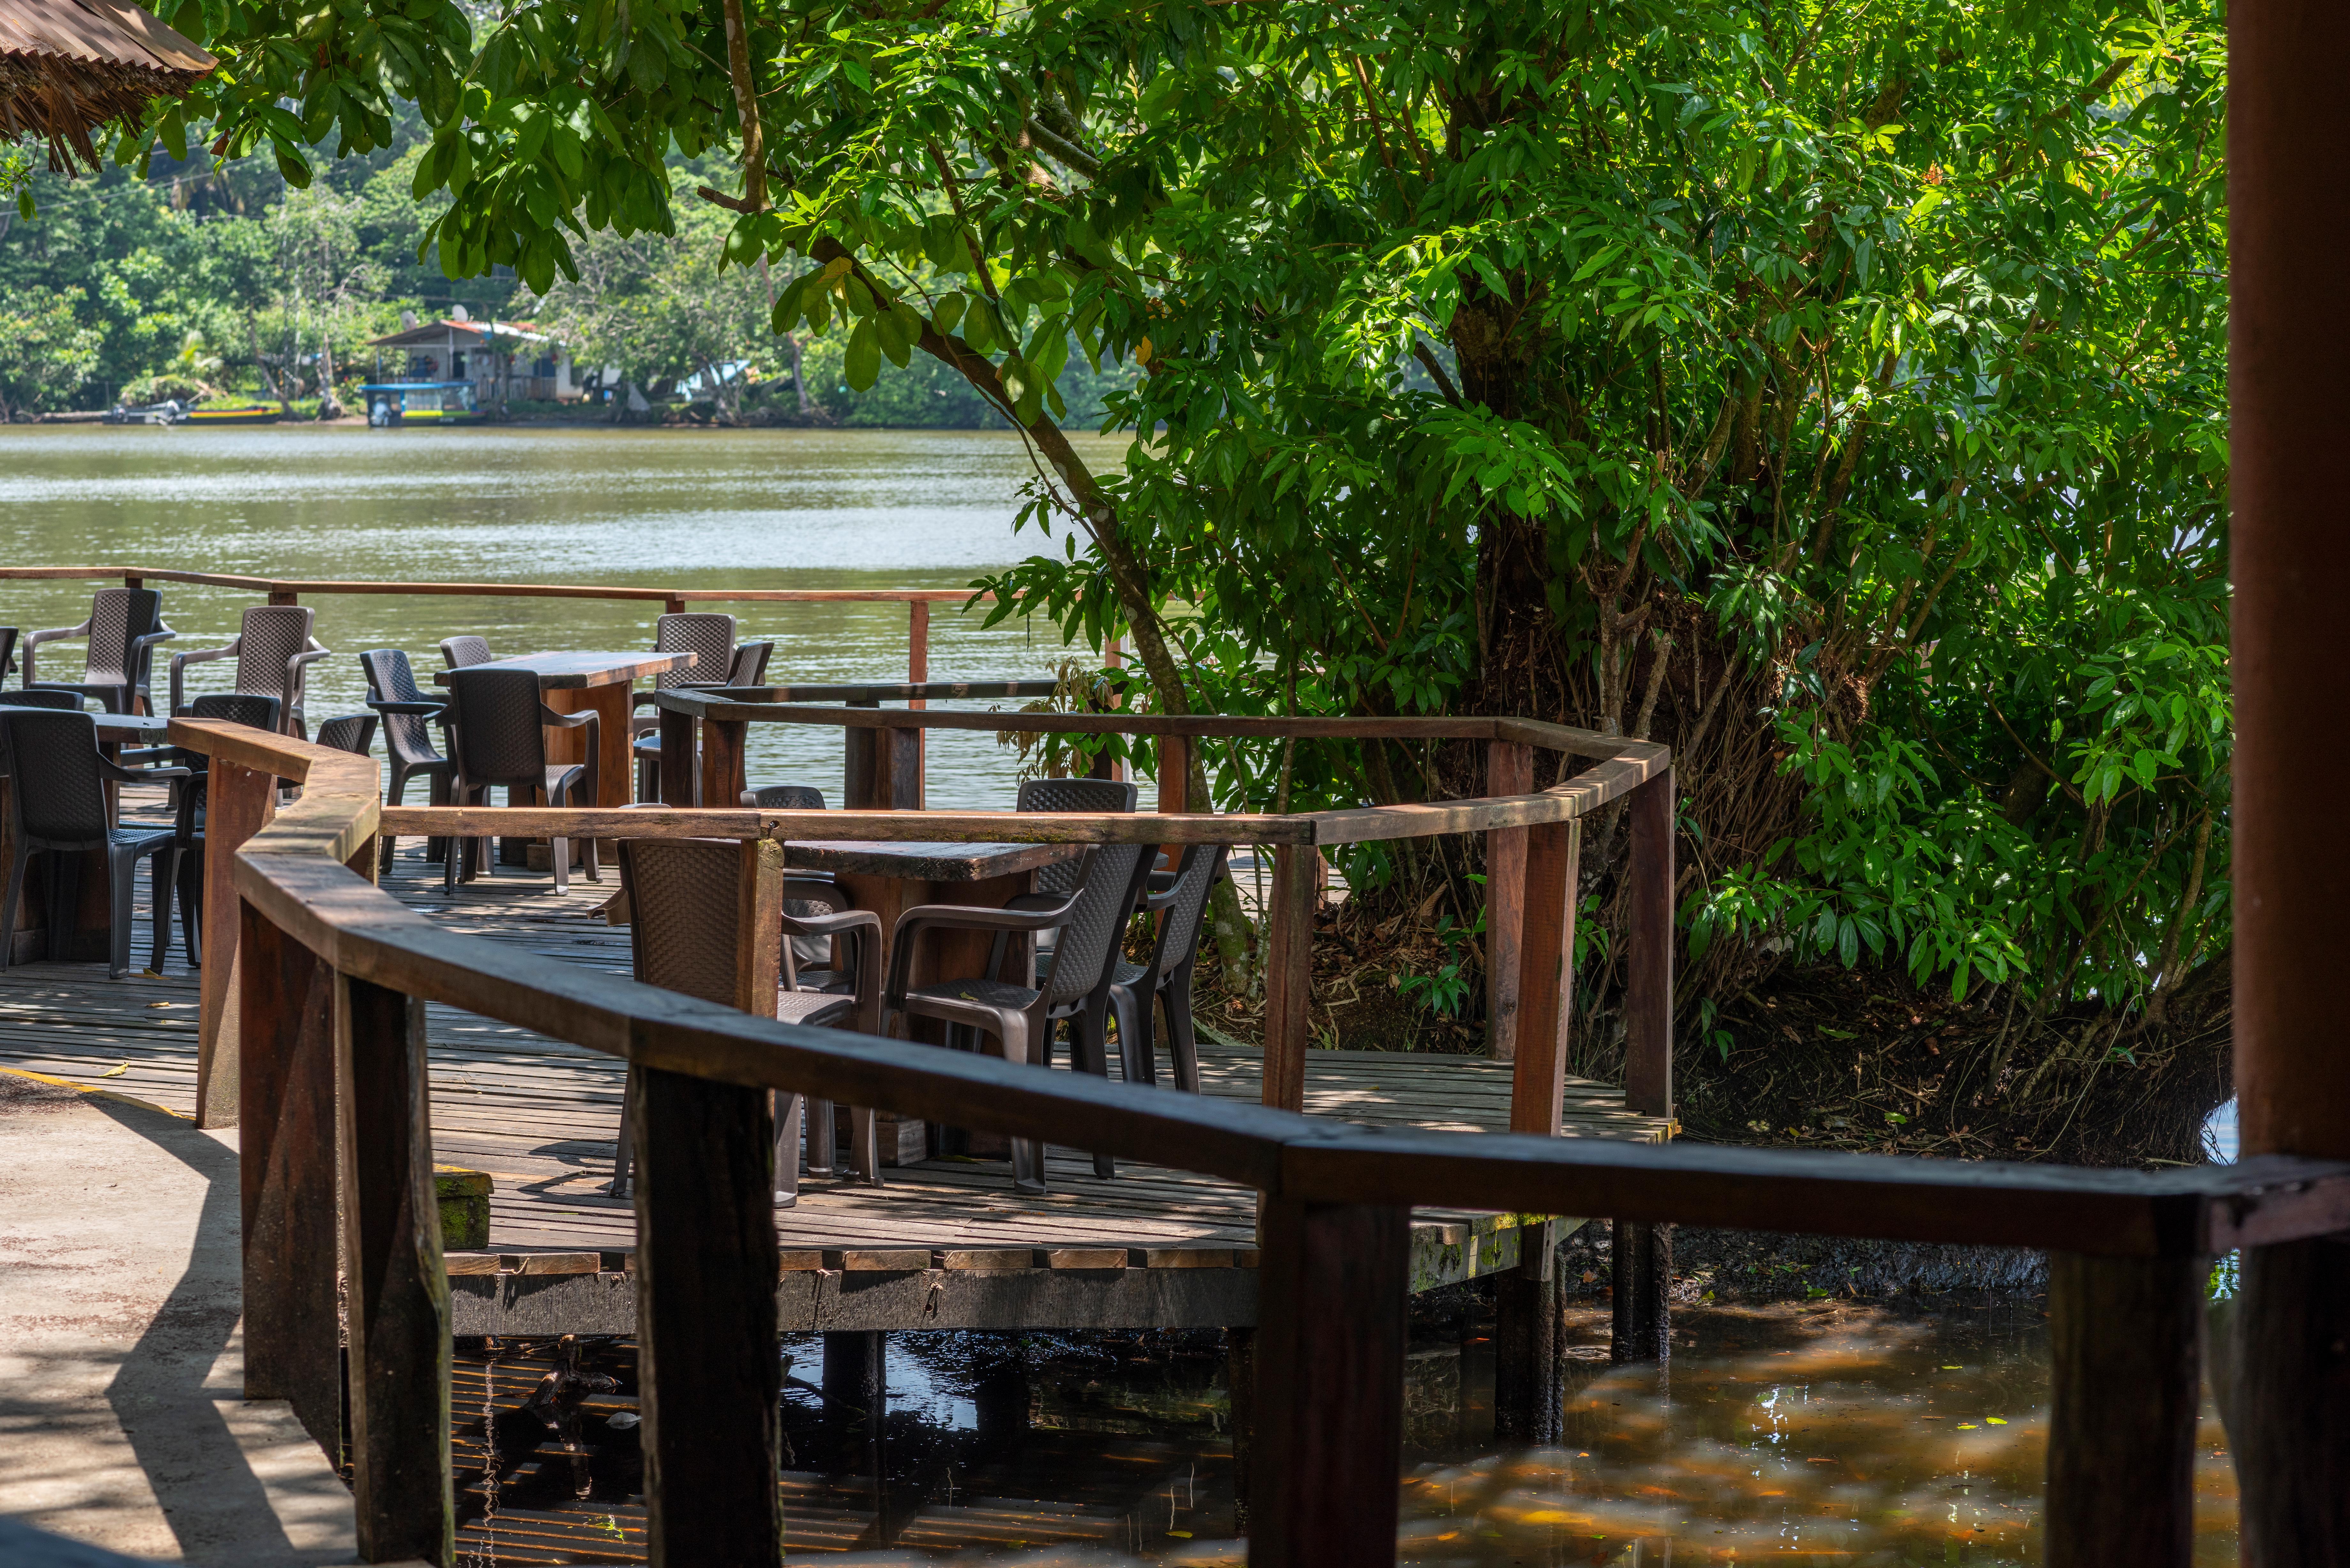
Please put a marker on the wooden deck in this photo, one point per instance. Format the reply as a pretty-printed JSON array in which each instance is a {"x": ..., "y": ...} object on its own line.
[{"x": 945, "y": 1243}]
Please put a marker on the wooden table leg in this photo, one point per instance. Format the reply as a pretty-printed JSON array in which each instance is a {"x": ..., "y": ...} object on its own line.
[{"x": 616, "y": 775}]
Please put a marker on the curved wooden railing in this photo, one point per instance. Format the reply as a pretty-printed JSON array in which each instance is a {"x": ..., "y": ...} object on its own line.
[{"x": 332, "y": 980}]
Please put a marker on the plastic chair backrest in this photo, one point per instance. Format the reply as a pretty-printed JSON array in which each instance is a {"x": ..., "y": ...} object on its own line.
[
  {"x": 349, "y": 732},
  {"x": 785, "y": 797},
  {"x": 237, "y": 708},
  {"x": 1088, "y": 944},
  {"x": 390, "y": 678},
  {"x": 462, "y": 651},
  {"x": 1072, "y": 794},
  {"x": 70, "y": 701},
  {"x": 495, "y": 721},
  {"x": 268, "y": 637},
  {"x": 57, "y": 784},
  {"x": 1180, "y": 932},
  {"x": 709, "y": 636},
  {"x": 682, "y": 914},
  {"x": 750, "y": 664},
  {"x": 119, "y": 617}
]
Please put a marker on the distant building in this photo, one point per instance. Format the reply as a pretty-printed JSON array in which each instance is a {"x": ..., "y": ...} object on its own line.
[{"x": 457, "y": 348}]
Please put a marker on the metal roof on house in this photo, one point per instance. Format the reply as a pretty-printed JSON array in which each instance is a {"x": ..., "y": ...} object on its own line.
[{"x": 432, "y": 334}]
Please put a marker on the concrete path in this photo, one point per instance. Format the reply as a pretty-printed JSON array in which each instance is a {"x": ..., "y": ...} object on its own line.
[{"x": 122, "y": 1420}]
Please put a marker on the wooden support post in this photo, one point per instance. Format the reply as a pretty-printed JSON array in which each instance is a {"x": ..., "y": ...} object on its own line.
[
  {"x": 673, "y": 605},
  {"x": 1551, "y": 864},
  {"x": 1175, "y": 775},
  {"x": 1642, "y": 1265},
  {"x": 2289, "y": 545},
  {"x": 285, "y": 1170},
  {"x": 681, "y": 766},
  {"x": 1509, "y": 770},
  {"x": 2123, "y": 1336},
  {"x": 397, "y": 1286},
  {"x": 710, "y": 1370},
  {"x": 855, "y": 1372},
  {"x": 1528, "y": 1395},
  {"x": 1331, "y": 1337},
  {"x": 1648, "y": 952},
  {"x": 1289, "y": 977},
  {"x": 918, "y": 672},
  {"x": 238, "y": 802},
  {"x": 1240, "y": 1385},
  {"x": 284, "y": 596},
  {"x": 723, "y": 777}
]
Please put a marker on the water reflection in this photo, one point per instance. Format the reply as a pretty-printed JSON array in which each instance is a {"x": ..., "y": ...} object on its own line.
[
  {"x": 1812, "y": 1434},
  {"x": 695, "y": 508}
]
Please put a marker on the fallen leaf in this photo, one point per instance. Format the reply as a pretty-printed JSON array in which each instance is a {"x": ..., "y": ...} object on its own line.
[
  {"x": 1180, "y": 1535},
  {"x": 159, "y": 1004},
  {"x": 1966, "y": 1426},
  {"x": 116, "y": 1070}
]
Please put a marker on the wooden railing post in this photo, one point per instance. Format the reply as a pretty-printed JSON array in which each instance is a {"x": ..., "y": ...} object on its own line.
[
  {"x": 680, "y": 765},
  {"x": 1509, "y": 770},
  {"x": 1331, "y": 1335},
  {"x": 2123, "y": 1336},
  {"x": 398, "y": 1288},
  {"x": 1642, "y": 1265},
  {"x": 722, "y": 775},
  {"x": 709, "y": 1370},
  {"x": 1289, "y": 977},
  {"x": 239, "y": 801},
  {"x": 1527, "y": 1403},
  {"x": 286, "y": 1141},
  {"x": 917, "y": 673}
]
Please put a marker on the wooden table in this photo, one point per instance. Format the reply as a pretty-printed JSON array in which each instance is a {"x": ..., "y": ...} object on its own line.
[
  {"x": 598, "y": 682},
  {"x": 95, "y": 906},
  {"x": 889, "y": 878}
]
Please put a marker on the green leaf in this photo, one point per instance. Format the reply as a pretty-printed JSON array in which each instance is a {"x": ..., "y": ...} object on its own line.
[{"x": 861, "y": 365}]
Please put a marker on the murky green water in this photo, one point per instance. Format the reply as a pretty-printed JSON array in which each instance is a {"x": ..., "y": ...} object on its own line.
[
  {"x": 695, "y": 508},
  {"x": 1814, "y": 1434}
]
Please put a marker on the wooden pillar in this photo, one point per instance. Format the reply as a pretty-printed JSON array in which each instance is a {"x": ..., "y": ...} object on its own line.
[
  {"x": 1331, "y": 1287},
  {"x": 1648, "y": 952},
  {"x": 1552, "y": 859},
  {"x": 1289, "y": 977},
  {"x": 284, "y": 596},
  {"x": 2123, "y": 1336},
  {"x": 1175, "y": 776},
  {"x": 238, "y": 803},
  {"x": 1509, "y": 770},
  {"x": 2288, "y": 333},
  {"x": 918, "y": 672},
  {"x": 397, "y": 1286},
  {"x": 1642, "y": 1267},
  {"x": 1240, "y": 1384},
  {"x": 1529, "y": 1404},
  {"x": 709, "y": 1370},
  {"x": 855, "y": 1372},
  {"x": 722, "y": 777},
  {"x": 680, "y": 765},
  {"x": 286, "y": 1141}
]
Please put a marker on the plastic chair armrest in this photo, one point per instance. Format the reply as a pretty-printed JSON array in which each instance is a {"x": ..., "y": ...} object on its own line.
[
  {"x": 180, "y": 661},
  {"x": 815, "y": 890},
  {"x": 139, "y": 776},
  {"x": 962, "y": 918},
  {"x": 555, "y": 721},
  {"x": 423, "y": 709},
  {"x": 833, "y": 925}
]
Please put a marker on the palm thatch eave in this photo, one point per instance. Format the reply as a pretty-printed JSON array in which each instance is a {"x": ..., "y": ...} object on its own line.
[{"x": 68, "y": 67}]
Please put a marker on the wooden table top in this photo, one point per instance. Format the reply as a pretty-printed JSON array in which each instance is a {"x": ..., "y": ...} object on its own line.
[
  {"x": 574, "y": 671},
  {"x": 924, "y": 862},
  {"x": 110, "y": 726}
]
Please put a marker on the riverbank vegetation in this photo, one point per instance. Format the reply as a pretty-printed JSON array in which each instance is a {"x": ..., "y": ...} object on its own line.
[{"x": 1832, "y": 391}]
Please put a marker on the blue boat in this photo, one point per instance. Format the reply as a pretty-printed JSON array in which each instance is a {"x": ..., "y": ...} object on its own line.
[{"x": 421, "y": 402}]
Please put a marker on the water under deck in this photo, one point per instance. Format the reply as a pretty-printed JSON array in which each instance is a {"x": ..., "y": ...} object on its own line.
[{"x": 944, "y": 1244}]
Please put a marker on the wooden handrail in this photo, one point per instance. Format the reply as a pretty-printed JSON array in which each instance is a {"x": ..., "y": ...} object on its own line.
[
  {"x": 298, "y": 585},
  {"x": 336, "y": 972}
]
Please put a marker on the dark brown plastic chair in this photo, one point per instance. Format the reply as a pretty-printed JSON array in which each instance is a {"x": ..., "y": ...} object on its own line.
[
  {"x": 124, "y": 628},
  {"x": 684, "y": 937},
  {"x": 1166, "y": 979},
  {"x": 194, "y": 796},
  {"x": 498, "y": 725},
  {"x": 353, "y": 733},
  {"x": 274, "y": 650},
  {"x": 1090, "y": 922},
  {"x": 807, "y": 964},
  {"x": 409, "y": 716},
  {"x": 708, "y": 636},
  {"x": 8, "y": 652},
  {"x": 463, "y": 652},
  {"x": 57, "y": 780}
]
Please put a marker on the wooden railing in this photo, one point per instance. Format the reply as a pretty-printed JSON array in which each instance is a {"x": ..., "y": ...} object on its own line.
[{"x": 333, "y": 977}]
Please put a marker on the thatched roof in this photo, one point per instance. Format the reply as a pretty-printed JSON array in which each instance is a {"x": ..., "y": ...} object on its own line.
[{"x": 67, "y": 67}]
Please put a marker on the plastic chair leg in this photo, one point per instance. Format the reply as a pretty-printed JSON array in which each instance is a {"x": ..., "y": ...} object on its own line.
[
  {"x": 192, "y": 903},
  {"x": 864, "y": 1145},
  {"x": 819, "y": 1139},
  {"x": 1183, "y": 1044},
  {"x": 11, "y": 904},
  {"x": 624, "y": 1148},
  {"x": 122, "y": 880},
  {"x": 162, "y": 877}
]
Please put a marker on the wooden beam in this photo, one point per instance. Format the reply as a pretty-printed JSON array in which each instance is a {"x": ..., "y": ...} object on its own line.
[
  {"x": 397, "y": 1290},
  {"x": 285, "y": 1168},
  {"x": 1553, "y": 858},
  {"x": 1528, "y": 1392},
  {"x": 709, "y": 1370},
  {"x": 239, "y": 801},
  {"x": 722, "y": 775},
  {"x": 1331, "y": 1338},
  {"x": 1648, "y": 952},
  {"x": 918, "y": 673},
  {"x": 1640, "y": 1326},
  {"x": 1509, "y": 770},
  {"x": 1289, "y": 977},
  {"x": 2291, "y": 1427},
  {"x": 2123, "y": 1336}
]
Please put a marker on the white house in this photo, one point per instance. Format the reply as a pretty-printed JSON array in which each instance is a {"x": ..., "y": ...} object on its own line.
[{"x": 459, "y": 348}]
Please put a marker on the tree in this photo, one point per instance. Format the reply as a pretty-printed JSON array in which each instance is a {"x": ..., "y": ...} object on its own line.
[
  {"x": 45, "y": 355},
  {"x": 1829, "y": 390}
]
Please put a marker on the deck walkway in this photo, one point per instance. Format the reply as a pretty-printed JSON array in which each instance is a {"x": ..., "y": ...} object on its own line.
[{"x": 945, "y": 1243}]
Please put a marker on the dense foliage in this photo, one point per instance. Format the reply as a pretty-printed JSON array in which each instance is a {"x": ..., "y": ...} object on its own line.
[{"x": 1830, "y": 388}]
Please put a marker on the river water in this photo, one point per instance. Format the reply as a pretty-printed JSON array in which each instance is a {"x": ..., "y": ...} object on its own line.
[{"x": 592, "y": 504}]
